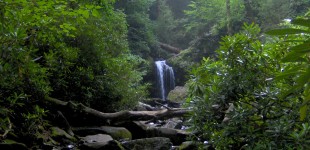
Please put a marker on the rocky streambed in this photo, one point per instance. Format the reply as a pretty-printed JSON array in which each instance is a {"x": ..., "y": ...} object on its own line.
[{"x": 155, "y": 125}]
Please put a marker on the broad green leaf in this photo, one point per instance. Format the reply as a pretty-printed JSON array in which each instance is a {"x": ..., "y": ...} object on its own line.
[
  {"x": 95, "y": 13},
  {"x": 286, "y": 31},
  {"x": 304, "y": 108},
  {"x": 303, "y": 112},
  {"x": 303, "y": 48},
  {"x": 288, "y": 73},
  {"x": 286, "y": 93},
  {"x": 301, "y": 22},
  {"x": 294, "y": 57},
  {"x": 303, "y": 78}
]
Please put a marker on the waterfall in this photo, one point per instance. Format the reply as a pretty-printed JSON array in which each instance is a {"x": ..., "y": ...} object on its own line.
[{"x": 165, "y": 78}]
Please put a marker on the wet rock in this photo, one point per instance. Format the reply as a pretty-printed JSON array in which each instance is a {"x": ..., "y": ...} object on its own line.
[{"x": 156, "y": 143}]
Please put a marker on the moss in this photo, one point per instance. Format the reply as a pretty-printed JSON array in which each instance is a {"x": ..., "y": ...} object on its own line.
[
  {"x": 118, "y": 132},
  {"x": 61, "y": 135},
  {"x": 179, "y": 94}
]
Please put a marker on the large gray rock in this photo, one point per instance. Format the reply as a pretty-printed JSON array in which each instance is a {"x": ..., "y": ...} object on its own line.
[
  {"x": 97, "y": 138},
  {"x": 117, "y": 133},
  {"x": 156, "y": 143},
  {"x": 178, "y": 94}
]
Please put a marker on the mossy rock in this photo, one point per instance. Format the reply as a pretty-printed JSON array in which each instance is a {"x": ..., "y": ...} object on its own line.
[
  {"x": 118, "y": 133},
  {"x": 178, "y": 94},
  {"x": 60, "y": 135}
]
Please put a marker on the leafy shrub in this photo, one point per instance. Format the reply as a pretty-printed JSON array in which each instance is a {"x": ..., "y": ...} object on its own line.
[{"x": 238, "y": 103}]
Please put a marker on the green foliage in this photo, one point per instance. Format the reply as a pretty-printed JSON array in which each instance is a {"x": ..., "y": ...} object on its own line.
[
  {"x": 71, "y": 50},
  {"x": 237, "y": 101},
  {"x": 141, "y": 37},
  {"x": 210, "y": 16},
  {"x": 165, "y": 23},
  {"x": 208, "y": 20},
  {"x": 272, "y": 12},
  {"x": 298, "y": 60}
]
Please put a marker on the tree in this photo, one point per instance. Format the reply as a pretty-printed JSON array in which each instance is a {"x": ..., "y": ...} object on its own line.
[
  {"x": 228, "y": 16},
  {"x": 141, "y": 38},
  {"x": 272, "y": 12}
]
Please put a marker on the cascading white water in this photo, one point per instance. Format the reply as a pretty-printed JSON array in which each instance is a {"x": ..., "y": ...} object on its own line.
[{"x": 165, "y": 78}]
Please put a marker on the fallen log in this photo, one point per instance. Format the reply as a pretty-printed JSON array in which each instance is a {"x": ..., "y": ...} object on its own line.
[
  {"x": 117, "y": 117},
  {"x": 169, "y": 48}
]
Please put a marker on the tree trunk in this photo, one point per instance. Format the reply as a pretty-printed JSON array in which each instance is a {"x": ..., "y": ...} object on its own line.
[
  {"x": 228, "y": 16},
  {"x": 249, "y": 12},
  {"x": 169, "y": 48},
  {"x": 92, "y": 115}
]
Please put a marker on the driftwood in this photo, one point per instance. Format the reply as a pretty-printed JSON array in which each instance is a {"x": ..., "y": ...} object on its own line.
[
  {"x": 117, "y": 117},
  {"x": 169, "y": 48}
]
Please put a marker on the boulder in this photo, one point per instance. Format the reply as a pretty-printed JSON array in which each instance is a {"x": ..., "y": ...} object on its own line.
[
  {"x": 155, "y": 143},
  {"x": 117, "y": 133},
  {"x": 100, "y": 141},
  {"x": 178, "y": 94},
  {"x": 97, "y": 138},
  {"x": 61, "y": 136}
]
